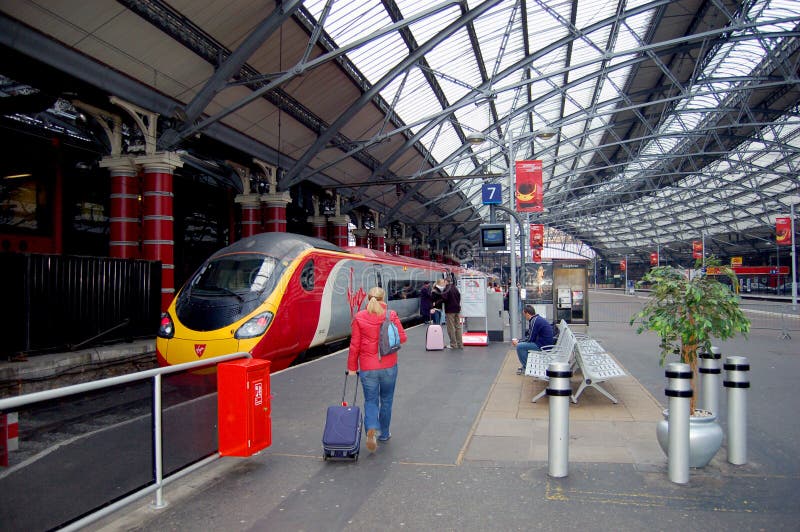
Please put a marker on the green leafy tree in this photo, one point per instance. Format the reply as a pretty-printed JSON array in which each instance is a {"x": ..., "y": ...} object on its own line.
[{"x": 687, "y": 311}]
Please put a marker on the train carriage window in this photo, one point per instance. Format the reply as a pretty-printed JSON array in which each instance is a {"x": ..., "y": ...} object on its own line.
[{"x": 307, "y": 276}]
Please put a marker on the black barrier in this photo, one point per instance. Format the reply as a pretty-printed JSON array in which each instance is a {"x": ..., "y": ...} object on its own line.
[{"x": 68, "y": 302}]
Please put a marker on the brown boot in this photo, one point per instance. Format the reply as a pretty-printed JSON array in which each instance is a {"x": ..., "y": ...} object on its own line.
[{"x": 372, "y": 441}]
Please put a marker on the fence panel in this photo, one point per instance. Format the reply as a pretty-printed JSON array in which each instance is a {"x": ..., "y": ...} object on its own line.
[{"x": 63, "y": 302}]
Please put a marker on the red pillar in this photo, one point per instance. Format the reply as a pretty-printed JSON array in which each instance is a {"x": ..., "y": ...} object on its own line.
[
  {"x": 58, "y": 203},
  {"x": 251, "y": 213},
  {"x": 158, "y": 242},
  {"x": 319, "y": 227},
  {"x": 125, "y": 215},
  {"x": 275, "y": 211},
  {"x": 404, "y": 245},
  {"x": 339, "y": 226},
  {"x": 362, "y": 239},
  {"x": 379, "y": 239},
  {"x": 425, "y": 252}
]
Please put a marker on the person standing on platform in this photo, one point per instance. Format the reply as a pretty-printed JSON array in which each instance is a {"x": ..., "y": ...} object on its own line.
[
  {"x": 451, "y": 299},
  {"x": 538, "y": 335},
  {"x": 378, "y": 374},
  {"x": 425, "y": 301}
]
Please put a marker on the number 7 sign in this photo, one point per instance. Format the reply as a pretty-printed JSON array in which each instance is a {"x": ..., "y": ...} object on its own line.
[{"x": 491, "y": 193}]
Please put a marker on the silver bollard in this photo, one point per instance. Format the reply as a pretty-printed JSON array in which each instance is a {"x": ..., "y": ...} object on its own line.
[
  {"x": 679, "y": 391},
  {"x": 710, "y": 375},
  {"x": 736, "y": 381},
  {"x": 559, "y": 391}
]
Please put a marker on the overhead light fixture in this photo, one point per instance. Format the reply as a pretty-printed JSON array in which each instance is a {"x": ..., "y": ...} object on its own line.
[
  {"x": 16, "y": 176},
  {"x": 476, "y": 137},
  {"x": 546, "y": 133}
]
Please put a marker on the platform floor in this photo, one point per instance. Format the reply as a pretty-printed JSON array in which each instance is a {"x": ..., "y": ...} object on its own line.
[{"x": 469, "y": 452}]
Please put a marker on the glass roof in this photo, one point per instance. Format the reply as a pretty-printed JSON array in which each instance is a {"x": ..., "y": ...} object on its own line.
[{"x": 675, "y": 170}]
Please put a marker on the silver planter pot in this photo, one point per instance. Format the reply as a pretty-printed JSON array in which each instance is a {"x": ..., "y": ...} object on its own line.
[{"x": 705, "y": 438}]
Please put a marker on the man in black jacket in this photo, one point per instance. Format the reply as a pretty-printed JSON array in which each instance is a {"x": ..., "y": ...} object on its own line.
[{"x": 447, "y": 293}]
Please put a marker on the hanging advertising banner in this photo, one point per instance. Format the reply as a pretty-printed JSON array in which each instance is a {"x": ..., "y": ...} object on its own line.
[
  {"x": 529, "y": 186},
  {"x": 537, "y": 236},
  {"x": 537, "y": 254},
  {"x": 736, "y": 261},
  {"x": 783, "y": 231},
  {"x": 697, "y": 249},
  {"x": 653, "y": 258},
  {"x": 623, "y": 265}
]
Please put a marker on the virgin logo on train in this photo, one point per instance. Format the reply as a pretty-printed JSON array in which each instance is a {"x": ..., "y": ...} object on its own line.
[{"x": 199, "y": 349}]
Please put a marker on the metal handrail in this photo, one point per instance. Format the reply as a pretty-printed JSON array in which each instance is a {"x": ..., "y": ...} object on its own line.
[{"x": 11, "y": 403}]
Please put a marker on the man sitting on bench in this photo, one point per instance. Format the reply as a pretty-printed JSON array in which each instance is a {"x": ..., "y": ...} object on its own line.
[{"x": 538, "y": 334}]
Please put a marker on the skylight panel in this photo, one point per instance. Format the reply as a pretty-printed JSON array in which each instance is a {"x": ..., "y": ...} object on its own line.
[
  {"x": 454, "y": 65},
  {"x": 477, "y": 117},
  {"x": 350, "y": 21},
  {"x": 425, "y": 29},
  {"x": 417, "y": 99},
  {"x": 491, "y": 30},
  {"x": 372, "y": 59},
  {"x": 442, "y": 143}
]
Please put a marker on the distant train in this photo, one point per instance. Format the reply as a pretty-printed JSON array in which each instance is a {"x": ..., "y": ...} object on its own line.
[{"x": 276, "y": 295}]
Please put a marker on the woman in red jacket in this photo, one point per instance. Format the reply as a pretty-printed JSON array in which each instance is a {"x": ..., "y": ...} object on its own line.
[{"x": 378, "y": 374}]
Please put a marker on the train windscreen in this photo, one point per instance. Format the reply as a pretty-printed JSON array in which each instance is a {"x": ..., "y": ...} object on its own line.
[{"x": 235, "y": 274}]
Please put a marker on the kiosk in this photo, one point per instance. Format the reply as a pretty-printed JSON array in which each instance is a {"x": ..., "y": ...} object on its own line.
[
  {"x": 473, "y": 310},
  {"x": 571, "y": 287}
]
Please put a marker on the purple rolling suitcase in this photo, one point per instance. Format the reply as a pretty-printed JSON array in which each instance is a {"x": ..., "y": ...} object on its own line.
[
  {"x": 434, "y": 338},
  {"x": 342, "y": 436}
]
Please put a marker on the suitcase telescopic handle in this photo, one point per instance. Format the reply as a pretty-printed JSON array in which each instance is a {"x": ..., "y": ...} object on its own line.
[{"x": 344, "y": 391}]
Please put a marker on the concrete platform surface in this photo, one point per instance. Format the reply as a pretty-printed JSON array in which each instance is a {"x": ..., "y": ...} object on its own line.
[{"x": 469, "y": 452}]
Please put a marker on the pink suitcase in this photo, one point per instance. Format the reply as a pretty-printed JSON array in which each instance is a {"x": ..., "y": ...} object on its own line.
[{"x": 434, "y": 338}]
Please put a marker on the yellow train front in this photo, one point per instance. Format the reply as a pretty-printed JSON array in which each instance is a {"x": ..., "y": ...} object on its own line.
[{"x": 275, "y": 295}]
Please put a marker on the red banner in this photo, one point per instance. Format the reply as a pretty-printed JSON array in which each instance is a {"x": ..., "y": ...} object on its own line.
[
  {"x": 537, "y": 254},
  {"x": 697, "y": 249},
  {"x": 653, "y": 258},
  {"x": 623, "y": 265},
  {"x": 783, "y": 231},
  {"x": 529, "y": 186},
  {"x": 537, "y": 236}
]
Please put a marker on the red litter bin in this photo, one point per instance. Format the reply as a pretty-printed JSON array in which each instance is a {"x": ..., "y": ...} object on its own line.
[{"x": 243, "y": 407}]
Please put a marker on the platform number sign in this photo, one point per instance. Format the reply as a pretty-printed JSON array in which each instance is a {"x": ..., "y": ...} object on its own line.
[{"x": 491, "y": 193}]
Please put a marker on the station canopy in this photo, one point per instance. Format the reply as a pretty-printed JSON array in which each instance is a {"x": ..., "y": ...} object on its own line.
[{"x": 658, "y": 123}]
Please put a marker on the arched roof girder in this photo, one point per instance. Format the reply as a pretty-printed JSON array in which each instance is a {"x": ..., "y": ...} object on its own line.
[{"x": 293, "y": 174}]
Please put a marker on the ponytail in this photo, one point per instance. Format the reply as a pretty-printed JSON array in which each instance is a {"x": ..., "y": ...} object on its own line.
[{"x": 375, "y": 295}]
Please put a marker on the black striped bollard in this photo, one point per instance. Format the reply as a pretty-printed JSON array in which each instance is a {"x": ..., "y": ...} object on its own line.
[
  {"x": 559, "y": 391},
  {"x": 737, "y": 381},
  {"x": 710, "y": 374},
  {"x": 679, "y": 391}
]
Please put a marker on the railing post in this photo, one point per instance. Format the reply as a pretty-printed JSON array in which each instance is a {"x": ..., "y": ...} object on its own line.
[
  {"x": 559, "y": 391},
  {"x": 157, "y": 450},
  {"x": 736, "y": 382},
  {"x": 679, "y": 391}
]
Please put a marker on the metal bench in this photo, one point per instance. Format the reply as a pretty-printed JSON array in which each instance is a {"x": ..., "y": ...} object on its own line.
[
  {"x": 596, "y": 365},
  {"x": 561, "y": 351}
]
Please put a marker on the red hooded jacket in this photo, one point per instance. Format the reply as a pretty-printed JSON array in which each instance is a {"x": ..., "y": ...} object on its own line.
[{"x": 364, "y": 341}]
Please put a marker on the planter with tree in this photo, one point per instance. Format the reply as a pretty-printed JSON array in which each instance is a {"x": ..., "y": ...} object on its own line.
[{"x": 687, "y": 311}]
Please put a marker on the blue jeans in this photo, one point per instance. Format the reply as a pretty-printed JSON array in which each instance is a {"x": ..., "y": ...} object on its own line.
[
  {"x": 378, "y": 387},
  {"x": 522, "y": 351}
]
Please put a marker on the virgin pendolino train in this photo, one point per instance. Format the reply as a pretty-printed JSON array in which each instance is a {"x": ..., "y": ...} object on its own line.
[{"x": 277, "y": 295}]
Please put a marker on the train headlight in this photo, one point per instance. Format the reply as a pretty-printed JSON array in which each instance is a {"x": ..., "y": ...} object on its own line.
[
  {"x": 255, "y": 326},
  {"x": 166, "y": 328}
]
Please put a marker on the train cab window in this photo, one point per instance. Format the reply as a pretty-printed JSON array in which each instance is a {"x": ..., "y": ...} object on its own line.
[
  {"x": 237, "y": 274},
  {"x": 307, "y": 276}
]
